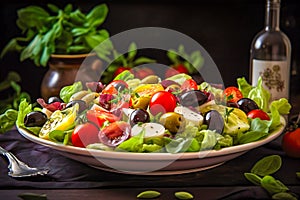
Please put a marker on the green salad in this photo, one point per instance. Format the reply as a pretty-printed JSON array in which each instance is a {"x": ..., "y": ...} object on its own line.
[{"x": 153, "y": 115}]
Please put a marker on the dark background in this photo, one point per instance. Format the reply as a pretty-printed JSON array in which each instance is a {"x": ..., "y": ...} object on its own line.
[{"x": 225, "y": 28}]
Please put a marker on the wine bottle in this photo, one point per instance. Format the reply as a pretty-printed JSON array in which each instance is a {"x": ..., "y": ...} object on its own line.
[{"x": 270, "y": 55}]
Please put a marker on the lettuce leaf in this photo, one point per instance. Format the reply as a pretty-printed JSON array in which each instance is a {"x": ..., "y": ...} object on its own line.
[
  {"x": 125, "y": 76},
  {"x": 277, "y": 108},
  {"x": 244, "y": 86},
  {"x": 259, "y": 129},
  {"x": 260, "y": 95},
  {"x": 67, "y": 91},
  {"x": 179, "y": 78}
]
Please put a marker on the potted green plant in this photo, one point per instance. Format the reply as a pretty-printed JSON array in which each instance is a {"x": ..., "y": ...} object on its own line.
[{"x": 52, "y": 36}]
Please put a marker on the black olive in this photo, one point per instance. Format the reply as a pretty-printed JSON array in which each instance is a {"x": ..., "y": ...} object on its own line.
[
  {"x": 81, "y": 103},
  {"x": 192, "y": 98},
  {"x": 214, "y": 121},
  {"x": 139, "y": 115},
  {"x": 35, "y": 118},
  {"x": 246, "y": 105},
  {"x": 54, "y": 99}
]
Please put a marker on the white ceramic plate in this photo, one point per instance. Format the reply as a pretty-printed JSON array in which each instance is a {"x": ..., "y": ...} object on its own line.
[{"x": 152, "y": 163}]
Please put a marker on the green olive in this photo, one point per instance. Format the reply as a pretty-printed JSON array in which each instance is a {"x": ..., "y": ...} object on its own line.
[
  {"x": 173, "y": 121},
  {"x": 141, "y": 102},
  {"x": 151, "y": 79}
]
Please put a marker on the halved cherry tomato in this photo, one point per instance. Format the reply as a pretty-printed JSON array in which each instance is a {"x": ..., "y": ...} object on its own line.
[
  {"x": 115, "y": 133},
  {"x": 162, "y": 102},
  {"x": 98, "y": 118},
  {"x": 114, "y": 87},
  {"x": 233, "y": 94},
  {"x": 258, "y": 113},
  {"x": 189, "y": 84},
  {"x": 99, "y": 115},
  {"x": 291, "y": 143},
  {"x": 85, "y": 134}
]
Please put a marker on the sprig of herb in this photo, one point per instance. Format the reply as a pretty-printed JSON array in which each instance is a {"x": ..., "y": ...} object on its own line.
[
  {"x": 193, "y": 61},
  {"x": 227, "y": 113},
  {"x": 59, "y": 31},
  {"x": 9, "y": 105},
  {"x": 128, "y": 60},
  {"x": 261, "y": 175}
]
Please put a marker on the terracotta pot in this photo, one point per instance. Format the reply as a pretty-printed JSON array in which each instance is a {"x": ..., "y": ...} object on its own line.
[{"x": 63, "y": 70}]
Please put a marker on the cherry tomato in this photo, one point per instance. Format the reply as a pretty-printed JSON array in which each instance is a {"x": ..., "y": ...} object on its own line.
[
  {"x": 258, "y": 113},
  {"x": 115, "y": 133},
  {"x": 291, "y": 143},
  {"x": 114, "y": 87},
  {"x": 85, "y": 134},
  {"x": 233, "y": 94},
  {"x": 98, "y": 118},
  {"x": 189, "y": 85},
  {"x": 162, "y": 102}
]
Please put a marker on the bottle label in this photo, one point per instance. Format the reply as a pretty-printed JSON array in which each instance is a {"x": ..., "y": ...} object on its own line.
[{"x": 275, "y": 77}]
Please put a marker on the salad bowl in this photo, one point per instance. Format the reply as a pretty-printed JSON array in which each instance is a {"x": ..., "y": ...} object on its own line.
[{"x": 153, "y": 163}]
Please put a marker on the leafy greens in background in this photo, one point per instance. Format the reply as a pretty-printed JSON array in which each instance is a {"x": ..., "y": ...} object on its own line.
[
  {"x": 59, "y": 31},
  {"x": 128, "y": 60},
  {"x": 193, "y": 62},
  {"x": 9, "y": 105}
]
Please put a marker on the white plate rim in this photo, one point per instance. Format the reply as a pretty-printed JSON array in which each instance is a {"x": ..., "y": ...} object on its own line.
[{"x": 153, "y": 156}]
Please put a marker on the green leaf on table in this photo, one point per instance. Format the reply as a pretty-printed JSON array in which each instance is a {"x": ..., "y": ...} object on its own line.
[
  {"x": 253, "y": 178},
  {"x": 32, "y": 196},
  {"x": 284, "y": 196},
  {"x": 272, "y": 185},
  {"x": 267, "y": 165},
  {"x": 148, "y": 194}
]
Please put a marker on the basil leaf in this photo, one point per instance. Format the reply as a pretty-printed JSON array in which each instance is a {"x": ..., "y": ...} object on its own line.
[
  {"x": 7, "y": 120},
  {"x": 53, "y": 7},
  {"x": 253, "y": 178},
  {"x": 97, "y": 16},
  {"x": 32, "y": 196},
  {"x": 272, "y": 185},
  {"x": 132, "y": 51},
  {"x": 143, "y": 60},
  {"x": 267, "y": 165},
  {"x": 284, "y": 196}
]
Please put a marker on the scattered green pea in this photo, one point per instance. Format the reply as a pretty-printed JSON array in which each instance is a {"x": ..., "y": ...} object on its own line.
[
  {"x": 183, "y": 195},
  {"x": 148, "y": 194}
]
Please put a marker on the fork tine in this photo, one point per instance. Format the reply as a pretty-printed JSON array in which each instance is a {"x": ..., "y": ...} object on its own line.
[{"x": 18, "y": 168}]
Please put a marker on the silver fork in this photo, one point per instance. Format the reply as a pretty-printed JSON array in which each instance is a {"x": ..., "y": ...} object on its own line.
[{"x": 19, "y": 169}]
